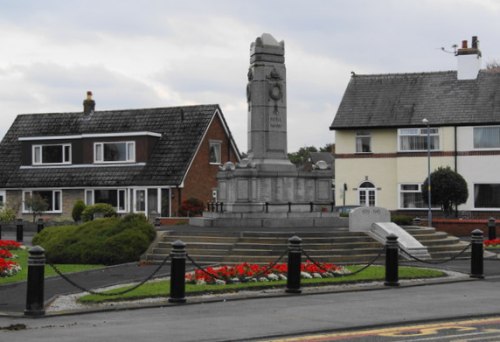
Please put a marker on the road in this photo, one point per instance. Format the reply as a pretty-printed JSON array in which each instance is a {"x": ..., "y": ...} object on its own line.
[
  {"x": 268, "y": 317},
  {"x": 477, "y": 329}
]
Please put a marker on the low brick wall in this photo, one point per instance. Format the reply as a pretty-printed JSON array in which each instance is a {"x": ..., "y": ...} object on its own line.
[
  {"x": 171, "y": 221},
  {"x": 461, "y": 227}
]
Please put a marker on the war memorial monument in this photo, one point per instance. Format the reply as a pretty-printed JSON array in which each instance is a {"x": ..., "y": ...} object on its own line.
[{"x": 266, "y": 189}]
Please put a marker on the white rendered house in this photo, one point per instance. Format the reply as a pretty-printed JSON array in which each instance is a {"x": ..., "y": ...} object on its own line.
[{"x": 381, "y": 138}]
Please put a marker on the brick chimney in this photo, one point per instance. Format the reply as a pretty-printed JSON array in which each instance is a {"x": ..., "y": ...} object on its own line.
[
  {"x": 469, "y": 60},
  {"x": 88, "y": 104}
]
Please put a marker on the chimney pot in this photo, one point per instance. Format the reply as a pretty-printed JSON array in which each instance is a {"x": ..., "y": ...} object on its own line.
[
  {"x": 88, "y": 104},
  {"x": 464, "y": 44},
  {"x": 474, "y": 42}
]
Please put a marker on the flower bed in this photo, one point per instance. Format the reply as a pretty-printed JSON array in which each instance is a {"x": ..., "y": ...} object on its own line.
[
  {"x": 8, "y": 268},
  {"x": 495, "y": 243},
  {"x": 246, "y": 272}
]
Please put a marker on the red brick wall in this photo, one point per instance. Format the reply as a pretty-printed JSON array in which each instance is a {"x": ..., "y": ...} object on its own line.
[
  {"x": 201, "y": 177},
  {"x": 462, "y": 227}
]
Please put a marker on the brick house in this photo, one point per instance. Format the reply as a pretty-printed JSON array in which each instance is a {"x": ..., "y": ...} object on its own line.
[{"x": 141, "y": 160}]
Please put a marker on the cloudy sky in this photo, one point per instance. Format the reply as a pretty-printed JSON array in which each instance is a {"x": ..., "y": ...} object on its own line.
[{"x": 141, "y": 54}]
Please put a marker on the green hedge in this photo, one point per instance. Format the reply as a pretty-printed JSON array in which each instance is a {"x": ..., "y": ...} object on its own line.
[
  {"x": 402, "y": 220},
  {"x": 103, "y": 241},
  {"x": 106, "y": 210}
]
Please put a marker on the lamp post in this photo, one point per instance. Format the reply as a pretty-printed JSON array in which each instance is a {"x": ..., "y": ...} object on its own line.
[{"x": 429, "y": 212}]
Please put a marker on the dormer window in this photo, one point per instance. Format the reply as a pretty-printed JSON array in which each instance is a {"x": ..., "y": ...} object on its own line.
[
  {"x": 114, "y": 152},
  {"x": 51, "y": 154}
]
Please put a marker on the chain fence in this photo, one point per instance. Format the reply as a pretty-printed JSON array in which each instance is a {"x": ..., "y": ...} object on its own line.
[
  {"x": 436, "y": 262},
  {"x": 370, "y": 263},
  {"x": 84, "y": 289}
]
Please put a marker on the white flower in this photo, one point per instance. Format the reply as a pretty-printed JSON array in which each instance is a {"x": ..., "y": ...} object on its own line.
[
  {"x": 282, "y": 276},
  {"x": 316, "y": 275},
  {"x": 273, "y": 277},
  {"x": 305, "y": 275},
  {"x": 263, "y": 279},
  {"x": 220, "y": 282},
  {"x": 201, "y": 282}
]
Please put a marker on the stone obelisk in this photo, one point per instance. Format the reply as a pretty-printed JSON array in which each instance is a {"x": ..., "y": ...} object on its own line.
[{"x": 266, "y": 98}]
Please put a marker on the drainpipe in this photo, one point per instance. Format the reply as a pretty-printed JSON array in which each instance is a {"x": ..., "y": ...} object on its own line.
[
  {"x": 455, "y": 159},
  {"x": 456, "y": 152}
]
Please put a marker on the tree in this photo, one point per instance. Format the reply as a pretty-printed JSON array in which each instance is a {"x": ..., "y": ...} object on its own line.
[
  {"x": 37, "y": 205},
  {"x": 448, "y": 189},
  {"x": 328, "y": 148},
  {"x": 302, "y": 155},
  {"x": 493, "y": 67}
]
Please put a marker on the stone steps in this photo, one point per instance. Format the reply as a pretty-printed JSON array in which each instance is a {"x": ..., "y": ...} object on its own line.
[{"x": 338, "y": 246}]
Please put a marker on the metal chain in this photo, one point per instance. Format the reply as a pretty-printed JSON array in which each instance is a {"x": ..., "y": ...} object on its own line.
[
  {"x": 195, "y": 264},
  {"x": 352, "y": 273},
  {"x": 263, "y": 272},
  {"x": 437, "y": 262},
  {"x": 109, "y": 294},
  {"x": 382, "y": 250}
]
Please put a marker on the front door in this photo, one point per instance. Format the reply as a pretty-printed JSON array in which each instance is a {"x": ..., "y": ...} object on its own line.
[{"x": 367, "y": 194}]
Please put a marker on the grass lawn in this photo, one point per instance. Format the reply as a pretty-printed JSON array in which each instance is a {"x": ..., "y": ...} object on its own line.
[
  {"x": 49, "y": 272},
  {"x": 162, "y": 288}
]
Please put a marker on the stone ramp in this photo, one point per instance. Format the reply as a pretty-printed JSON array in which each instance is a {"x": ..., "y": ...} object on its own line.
[{"x": 338, "y": 245}]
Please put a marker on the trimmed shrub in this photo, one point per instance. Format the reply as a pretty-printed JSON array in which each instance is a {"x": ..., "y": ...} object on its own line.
[
  {"x": 77, "y": 211},
  {"x": 402, "y": 220},
  {"x": 104, "y": 241},
  {"x": 106, "y": 210},
  {"x": 192, "y": 207}
]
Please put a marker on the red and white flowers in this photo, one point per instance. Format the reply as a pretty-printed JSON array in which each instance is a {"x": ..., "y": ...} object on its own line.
[
  {"x": 8, "y": 268},
  {"x": 246, "y": 272}
]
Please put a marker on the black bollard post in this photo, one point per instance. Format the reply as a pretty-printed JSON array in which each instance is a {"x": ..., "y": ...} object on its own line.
[
  {"x": 178, "y": 272},
  {"x": 289, "y": 207},
  {"x": 19, "y": 230},
  {"x": 492, "y": 228},
  {"x": 216, "y": 207},
  {"x": 39, "y": 225},
  {"x": 391, "y": 261},
  {"x": 35, "y": 284},
  {"x": 267, "y": 207},
  {"x": 476, "y": 261},
  {"x": 294, "y": 260},
  {"x": 221, "y": 207}
]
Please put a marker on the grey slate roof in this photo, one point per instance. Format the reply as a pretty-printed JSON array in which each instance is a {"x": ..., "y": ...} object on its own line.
[
  {"x": 403, "y": 100},
  {"x": 182, "y": 129}
]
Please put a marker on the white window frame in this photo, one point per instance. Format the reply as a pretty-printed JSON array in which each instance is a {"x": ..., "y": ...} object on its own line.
[
  {"x": 90, "y": 198},
  {"x": 361, "y": 135},
  {"x": 218, "y": 151},
  {"x": 129, "y": 151},
  {"x": 401, "y": 191},
  {"x": 419, "y": 132},
  {"x": 474, "y": 138},
  {"x": 136, "y": 190},
  {"x": 366, "y": 191},
  {"x": 30, "y": 192},
  {"x": 66, "y": 156},
  {"x": 3, "y": 194}
]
